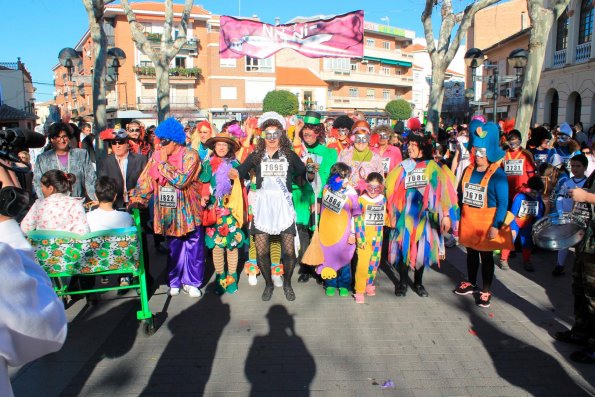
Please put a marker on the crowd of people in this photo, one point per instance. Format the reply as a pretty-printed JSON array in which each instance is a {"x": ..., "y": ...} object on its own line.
[{"x": 329, "y": 198}]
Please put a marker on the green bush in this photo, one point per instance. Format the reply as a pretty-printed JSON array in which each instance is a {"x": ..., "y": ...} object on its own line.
[
  {"x": 399, "y": 109},
  {"x": 281, "y": 101}
]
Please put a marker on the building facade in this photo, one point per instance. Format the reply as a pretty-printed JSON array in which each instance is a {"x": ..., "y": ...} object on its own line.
[
  {"x": 567, "y": 87},
  {"x": 17, "y": 95}
]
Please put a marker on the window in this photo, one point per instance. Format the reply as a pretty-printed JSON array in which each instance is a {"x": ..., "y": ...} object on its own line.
[
  {"x": 259, "y": 65},
  {"x": 353, "y": 92},
  {"x": 370, "y": 68},
  {"x": 227, "y": 63},
  {"x": 370, "y": 93},
  {"x": 585, "y": 27},
  {"x": 386, "y": 45},
  {"x": 386, "y": 95},
  {"x": 181, "y": 62},
  {"x": 370, "y": 43},
  {"x": 385, "y": 71},
  {"x": 146, "y": 64},
  {"x": 229, "y": 93},
  {"x": 562, "y": 32},
  {"x": 337, "y": 64},
  {"x": 212, "y": 28},
  {"x": 354, "y": 67}
]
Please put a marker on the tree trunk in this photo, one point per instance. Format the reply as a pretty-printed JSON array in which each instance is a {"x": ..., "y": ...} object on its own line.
[
  {"x": 542, "y": 20},
  {"x": 162, "y": 76},
  {"x": 436, "y": 98},
  {"x": 94, "y": 10}
]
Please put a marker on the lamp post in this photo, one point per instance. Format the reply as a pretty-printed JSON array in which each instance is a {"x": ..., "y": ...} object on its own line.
[
  {"x": 116, "y": 58},
  {"x": 67, "y": 56},
  {"x": 387, "y": 19},
  {"x": 474, "y": 58},
  {"x": 225, "y": 107}
]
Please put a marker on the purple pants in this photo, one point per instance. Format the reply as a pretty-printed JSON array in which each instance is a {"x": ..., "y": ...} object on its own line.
[{"x": 186, "y": 261}]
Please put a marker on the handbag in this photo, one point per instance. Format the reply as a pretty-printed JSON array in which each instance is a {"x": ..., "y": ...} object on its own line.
[{"x": 209, "y": 215}]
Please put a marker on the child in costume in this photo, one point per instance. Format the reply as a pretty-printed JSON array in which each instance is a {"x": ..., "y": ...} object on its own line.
[
  {"x": 565, "y": 146},
  {"x": 564, "y": 202},
  {"x": 422, "y": 204},
  {"x": 518, "y": 164},
  {"x": 225, "y": 236},
  {"x": 483, "y": 227},
  {"x": 527, "y": 208},
  {"x": 337, "y": 230},
  {"x": 369, "y": 231}
]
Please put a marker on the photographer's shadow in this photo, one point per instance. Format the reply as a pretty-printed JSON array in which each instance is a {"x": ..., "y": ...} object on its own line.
[{"x": 279, "y": 361}]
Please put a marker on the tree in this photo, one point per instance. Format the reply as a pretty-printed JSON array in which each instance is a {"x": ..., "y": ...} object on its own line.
[
  {"x": 95, "y": 12},
  {"x": 542, "y": 14},
  {"x": 399, "y": 109},
  {"x": 443, "y": 51},
  {"x": 168, "y": 50},
  {"x": 281, "y": 101}
]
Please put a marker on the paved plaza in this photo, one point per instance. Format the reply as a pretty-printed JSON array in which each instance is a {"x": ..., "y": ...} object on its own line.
[{"x": 238, "y": 345}]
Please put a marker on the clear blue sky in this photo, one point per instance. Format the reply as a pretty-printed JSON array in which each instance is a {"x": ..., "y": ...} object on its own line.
[{"x": 36, "y": 30}]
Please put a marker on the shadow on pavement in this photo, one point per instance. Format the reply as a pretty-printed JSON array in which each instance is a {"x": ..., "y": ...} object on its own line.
[
  {"x": 186, "y": 362},
  {"x": 279, "y": 362}
]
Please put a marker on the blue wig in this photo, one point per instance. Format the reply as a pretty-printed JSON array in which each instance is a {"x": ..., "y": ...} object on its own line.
[{"x": 171, "y": 129}]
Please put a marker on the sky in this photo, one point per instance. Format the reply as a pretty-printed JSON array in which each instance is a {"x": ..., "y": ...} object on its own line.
[{"x": 36, "y": 30}]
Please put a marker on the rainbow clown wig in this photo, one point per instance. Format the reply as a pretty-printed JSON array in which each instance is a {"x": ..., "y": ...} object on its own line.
[
  {"x": 487, "y": 136},
  {"x": 172, "y": 130}
]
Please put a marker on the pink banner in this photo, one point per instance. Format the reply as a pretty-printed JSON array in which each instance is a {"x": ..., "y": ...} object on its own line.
[{"x": 338, "y": 37}]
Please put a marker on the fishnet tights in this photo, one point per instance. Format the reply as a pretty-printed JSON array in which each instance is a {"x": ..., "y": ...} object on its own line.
[{"x": 263, "y": 256}]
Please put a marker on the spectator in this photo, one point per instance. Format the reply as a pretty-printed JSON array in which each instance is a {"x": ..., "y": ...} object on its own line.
[
  {"x": 105, "y": 217},
  {"x": 579, "y": 134},
  {"x": 87, "y": 141}
]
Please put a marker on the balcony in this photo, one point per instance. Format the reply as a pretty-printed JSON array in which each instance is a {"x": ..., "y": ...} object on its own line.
[
  {"x": 191, "y": 44},
  {"x": 175, "y": 103},
  {"x": 148, "y": 72},
  {"x": 393, "y": 55},
  {"x": 356, "y": 102},
  {"x": 369, "y": 78},
  {"x": 559, "y": 58},
  {"x": 583, "y": 52}
]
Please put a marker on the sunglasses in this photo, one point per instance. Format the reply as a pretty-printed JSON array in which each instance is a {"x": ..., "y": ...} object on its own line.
[
  {"x": 117, "y": 142},
  {"x": 134, "y": 130},
  {"x": 343, "y": 131},
  {"x": 165, "y": 142},
  {"x": 271, "y": 135},
  {"x": 361, "y": 138},
  {"x": 587, "y": 152}
]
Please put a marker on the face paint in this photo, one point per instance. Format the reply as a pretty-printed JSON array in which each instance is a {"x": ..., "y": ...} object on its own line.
[
  {"x": 515, "y": 144},
  {"x": 563, "y": 138}
]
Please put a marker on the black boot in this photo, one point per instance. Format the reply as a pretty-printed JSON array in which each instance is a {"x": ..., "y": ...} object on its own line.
[
  {"x": 417, "y": 285},
  {"x": 265, "y": 271},
  {"x": 289, "y": 265},
  {"x": 401, "y": 289}
]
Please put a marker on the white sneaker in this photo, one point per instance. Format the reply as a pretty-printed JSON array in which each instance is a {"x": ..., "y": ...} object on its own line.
[
  {"x": 252, "y": 279},
  {"x": 173, "y": 291},
  {"x": 277, "y": 280},
  {"x": 192, "y": 291}
]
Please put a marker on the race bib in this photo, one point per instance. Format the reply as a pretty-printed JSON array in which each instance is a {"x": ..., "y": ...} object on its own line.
[
  {"x": 374, "y": 215},
  {"x": 386, "y": 165},
  {"x": 274, "y": 168},
  {"x": 528, "y": 208},
  {"x": 416, "y": 179},
  {"x": 334, "y": 201},
  {"x": 474, "y": 195},
  {"x": 168, "y": 197},
  {"x": 514, "y": 167}
]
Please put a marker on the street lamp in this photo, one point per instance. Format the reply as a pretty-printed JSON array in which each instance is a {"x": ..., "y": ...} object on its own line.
[
  {"x": 116, "y": 58},
  {"x": 225, "y": 107},
  {"x": 67, "y": 56},
  {"x": 517, "y": 59},
  {"x": 474, "y": 58},
  {"x": 387, "y": 20}
]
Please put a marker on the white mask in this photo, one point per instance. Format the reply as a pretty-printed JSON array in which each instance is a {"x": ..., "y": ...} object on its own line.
[{"x": 463, "y": 139}]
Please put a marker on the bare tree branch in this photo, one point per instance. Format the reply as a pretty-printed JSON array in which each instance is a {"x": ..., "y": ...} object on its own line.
[
  {"x": 137, "y": 32},
  {"x": 181, "y": 39},
  {"x": 426, "y": 19}
]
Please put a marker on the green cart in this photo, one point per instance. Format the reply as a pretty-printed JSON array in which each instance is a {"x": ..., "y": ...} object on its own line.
[{"x": 118, "y": 251}]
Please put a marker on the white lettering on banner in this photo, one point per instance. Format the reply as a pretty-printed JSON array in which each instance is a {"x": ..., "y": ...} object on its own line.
[
  {"x": 334, "y": 201},
  {"x": 528, "y": 208},
  {"x": 514, "y": 167},
  {"x": 416, "y": 179},
  {"x": 386, "y": 165},
  {"x": 474, "y": 195},
  {"x": 274, "y": 168},
  {"x": 374, "y": 215},
  {"x": 168, "y": 197}
]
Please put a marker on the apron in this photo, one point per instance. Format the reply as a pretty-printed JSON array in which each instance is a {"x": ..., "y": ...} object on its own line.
[{"x": 477, "y": 218}]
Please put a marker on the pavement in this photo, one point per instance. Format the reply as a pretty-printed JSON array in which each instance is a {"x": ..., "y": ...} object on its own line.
[{"x": 237, "y": 345}]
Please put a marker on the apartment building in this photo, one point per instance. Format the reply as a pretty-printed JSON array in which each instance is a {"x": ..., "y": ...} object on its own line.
[
  {"x": 566, "y": 90},
  {"x": 17, "y": 101}
]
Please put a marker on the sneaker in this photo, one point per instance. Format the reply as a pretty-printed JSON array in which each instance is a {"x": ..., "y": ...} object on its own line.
[
  {"x": 277, "y": 280},
  {"x": 484, "y": 299},
  {"x": 464, "y": 288},
  {"x": 252, "y": 279},
  {"x": 124, "y": 281},
  {"x": 192, "y": 291},
  {"x": 504, "y": 264},
  {"x": 330, "y": 291},
  {"x": 343, "y": 292},
  {"x": 558, "y": 271},
  {"x": 401, "y": 290},
  {"x": 370, "y": 290},
  {"x": 104, "y": 280},
  {"x": 173, "y": 291},
  {"x": 528, "y": 266},
  {"x": 359, "y": 298}
]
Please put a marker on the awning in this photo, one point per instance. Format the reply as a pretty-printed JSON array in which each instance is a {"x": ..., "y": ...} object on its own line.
[{"x": 389, "y": 61}]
